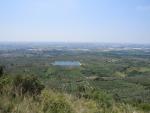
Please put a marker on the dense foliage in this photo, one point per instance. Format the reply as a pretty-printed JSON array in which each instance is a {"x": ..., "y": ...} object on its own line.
[
  {"x": 1, "y": 71},
  {"x": 27, "y": 84}
]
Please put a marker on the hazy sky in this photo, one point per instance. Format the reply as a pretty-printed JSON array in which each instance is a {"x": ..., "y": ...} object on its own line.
[{"x": 75, "y": 20}]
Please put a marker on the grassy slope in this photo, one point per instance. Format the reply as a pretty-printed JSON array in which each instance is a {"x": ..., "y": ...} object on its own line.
[{"x": 50, "y": 101}]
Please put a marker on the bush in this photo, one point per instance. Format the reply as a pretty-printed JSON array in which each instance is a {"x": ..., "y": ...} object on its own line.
[
  {"x": 4, "y": 82},
  {"x": 55, "y": 103},
  {"x": 102, "y": 98},
  {"x": 27, "y": 84},
  {"x": 1, "y": 71},
  {"x": 145, "y": 106}
]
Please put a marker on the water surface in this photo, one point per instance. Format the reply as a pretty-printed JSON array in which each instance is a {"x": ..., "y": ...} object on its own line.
[{"x": 66, "y": 63}]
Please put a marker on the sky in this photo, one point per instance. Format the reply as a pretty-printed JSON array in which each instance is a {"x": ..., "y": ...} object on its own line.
[{"x": 112, "y": 21}]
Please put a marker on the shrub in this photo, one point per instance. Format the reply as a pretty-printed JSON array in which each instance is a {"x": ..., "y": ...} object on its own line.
[
  {"x": 1, "y": 71},
  {"x": 145, "y": 106},
  {"x": 55, "y": 103},
  {"x": 4, "y": 81},
  {"x": 27, "y": 84},
  {"x": 102, "y": 98}
]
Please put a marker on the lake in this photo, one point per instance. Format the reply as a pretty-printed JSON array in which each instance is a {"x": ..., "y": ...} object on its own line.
[{"x": 66, "y": 63}]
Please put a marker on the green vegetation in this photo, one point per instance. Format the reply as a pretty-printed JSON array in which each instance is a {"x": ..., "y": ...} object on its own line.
[
  {"x": 106, "y": 82},
  {"x": 49, "y": 101},
  {"x": 27, "y": 84},
  {"x": 1, "y": 71}
]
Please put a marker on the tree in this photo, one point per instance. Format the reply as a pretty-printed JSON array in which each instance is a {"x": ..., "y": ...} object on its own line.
[
  {"x": 28, "y": 84},
  {"x": 1, "y": 71}
]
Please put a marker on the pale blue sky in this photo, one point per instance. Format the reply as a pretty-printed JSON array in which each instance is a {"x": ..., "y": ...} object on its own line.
[{"x": 75, "y": 20}]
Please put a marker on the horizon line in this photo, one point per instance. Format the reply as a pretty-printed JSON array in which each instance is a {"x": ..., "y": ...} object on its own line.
[{"x": 75, "y": 42}]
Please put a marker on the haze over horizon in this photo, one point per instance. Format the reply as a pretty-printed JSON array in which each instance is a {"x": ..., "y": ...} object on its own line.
[{"x": 109, "y": 21}]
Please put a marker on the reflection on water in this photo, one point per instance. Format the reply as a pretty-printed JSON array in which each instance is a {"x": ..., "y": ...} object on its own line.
[{"x": 66, "y": 63}]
